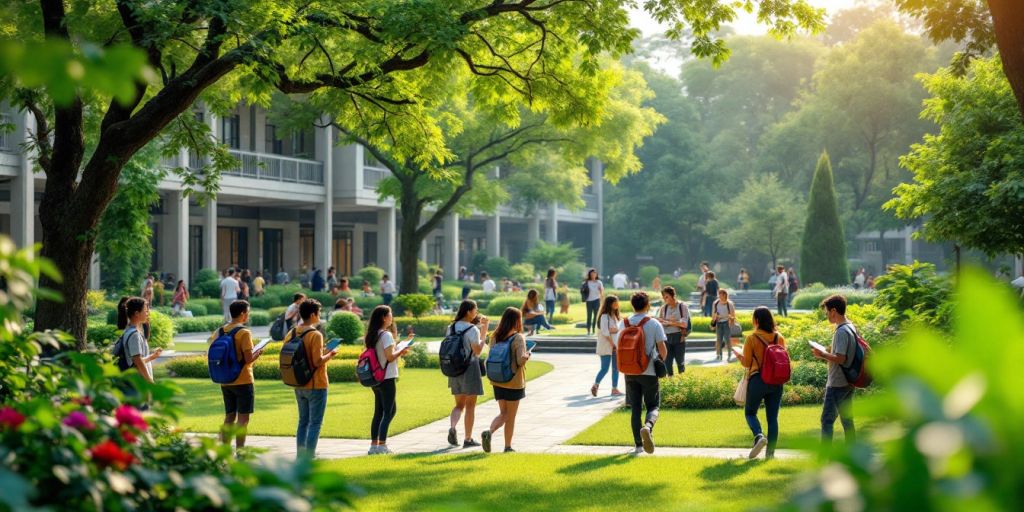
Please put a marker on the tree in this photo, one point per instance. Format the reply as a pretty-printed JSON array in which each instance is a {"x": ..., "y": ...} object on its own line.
[
  {"x": 763, "y": 219},
  {"x": 823, "y": 249},
  {"x": 544, "y": 255},
  {"x": 968, "y": 187},
  {"x": 353, "y": 61}
]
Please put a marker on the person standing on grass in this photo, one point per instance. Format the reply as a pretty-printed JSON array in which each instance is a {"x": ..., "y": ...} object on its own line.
[
  {"x": 711, "y": 288},
  {"x": 674, "y": 316},
  {"x": 387, "y": 290},
  {"x": 595, "y": 292},
  {"x": 838, "y": 391},
  {"x": 533, "y": 315},
  {"x": 757, "y": 391},
  {"x": 609, "y": 324},
  {"x": 551, "y": 293},
  {"x": 240, "y": 395},
  {"x": 292, "y": 318},
  {"x": 228, "y": 292},
  {"x": 486, "y": 283},
  {"x": 781, "y": 290},
  {"x": 381, "y": 335},
  {"x": 133, "y": 319},
  {"x": 180, "y": 298},
  {"x": 470, "y": 385},
  {"x": 644, "y": 390},
  {"x": 723, "y": 318},
  {"x": 311, "y": 398},
  {"x": 508, "y": 394}
]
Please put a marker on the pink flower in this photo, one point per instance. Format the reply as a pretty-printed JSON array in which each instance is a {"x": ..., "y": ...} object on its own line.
[
  {"x": 78, "y": 420},
  {"x": 108, "y": 453},
  {"x": 129, "y": 416},
  {"x": 9, "y": 418}
]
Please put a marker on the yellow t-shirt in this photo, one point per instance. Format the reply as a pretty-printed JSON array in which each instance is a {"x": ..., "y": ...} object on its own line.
[
  {"x": 243, "y": 342},
  {"x": 257, "y": 284}
]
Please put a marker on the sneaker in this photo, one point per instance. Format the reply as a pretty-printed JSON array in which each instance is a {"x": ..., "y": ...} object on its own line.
[
  {"x": 648, "y": 438},
  {"x": 637, "y": 451},
  {"x": 509, "y": 450},
  {"x": 382, "y": 449},
  {"x": 373, "y": 450},
  {"x": 485, "y": 438},
  {"x": 616, "y": 392},
  {"x": 759, "y": 443},
  {"x": 469, "y": 443},
  {"x": 593, "y": 390},
  {"x": 453, "y": 438}
]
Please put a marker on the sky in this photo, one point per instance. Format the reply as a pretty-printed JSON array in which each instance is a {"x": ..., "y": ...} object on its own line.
[{"x": 746, "y": 24}]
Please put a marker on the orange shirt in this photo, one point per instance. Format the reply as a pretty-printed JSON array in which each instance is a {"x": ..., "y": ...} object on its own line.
[
  {"x": 243, "y": 342},
  {"x": 313, "y": 342}
]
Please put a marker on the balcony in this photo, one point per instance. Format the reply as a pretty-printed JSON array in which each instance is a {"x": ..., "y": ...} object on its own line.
[
  {"x": 6, "y": 140},
  {"x": 372, "y": 177},
  {"x": 589, "y": 202},
  {"x": 264, "y": 166}
]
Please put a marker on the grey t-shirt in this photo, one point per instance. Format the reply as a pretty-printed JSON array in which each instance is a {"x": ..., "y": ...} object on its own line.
[
  {"x": 136, "y": 345},
  {"x": 842, "y": 340},
  {"x": 653, "y": 333},
  {"x": 677, "y": 313}
]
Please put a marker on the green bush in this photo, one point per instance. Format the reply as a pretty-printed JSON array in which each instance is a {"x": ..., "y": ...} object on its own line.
[
  {"x": 196, "y": 309},
  {"x": 497, "y": 306},
  {"x": 95, "y": 301},
  {"x": 198, "y": 324},
  {"x": 415, "y": 303},
  {"x": 572, "y": 274},
  {"x": 213, "y": 306},
  {"x": 418, "y": 357},
  {"x": 209, "y": 289},
  {"x": 558, "y": 319},
  {"x": 368, "y": 303},
  {"x": 206, "y": 274},
  {"x": 371, "y": 274},
  {"x": 713, "y": 387},
  {"x": 823, "y": 247},
  {"x": 102, "y": 335},
  {"x": 522, "y": 272},
  {"x": 479, "y": 295},
  {"x": 259, "y": 318},
  {"x": 808, "y": 299},
  {"x": 647, "y": 274},
  {"x": 265, "y": 368},
  {"x": 265, "y": 301},
  {"x": 684, "y": 284},
  {"x": 273, "y": 351},
  {"x": 544, "y": 255},
  {"x": 918, "y": 293},
  {"x": 347, "y": 326},
  {"x": 498, "y": 267},
  {"x": 276, "y": 312},
  {"x": 161, "y": 330},
  {"x": 430, "y": 326}
]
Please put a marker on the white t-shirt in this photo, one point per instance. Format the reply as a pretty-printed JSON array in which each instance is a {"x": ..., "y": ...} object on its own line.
[
  {"x": 1018, "y": 283},
  {"x": 619, "y": 281},
  {"x": 385, "y": 340},
  {"x": 782, "y": 283},
  {"x": 550, "y": 293},
  {"x": 387, "y": 287},
  {"x": 229, "y": 288},
  {"x": 488, "y": 286},
  {"x": 607, "y": 341},
  {"x": 594, "y": 289},
  {"x": 701, "y": 281},
  {"x": 859, "y": 280}
]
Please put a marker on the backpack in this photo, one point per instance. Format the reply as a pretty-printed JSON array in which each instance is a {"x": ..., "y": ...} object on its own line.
[
  {"x": 369, "y": 370},
  {"x": 664, "y": 314},
  {"x": 279, "y": 328},
  {"x": 856, "y": 373},
  {"x": 296, "y": 368},
  {"x": 632, "y": 355},
  {"x": 121, "y": 353},
  {"x": 776, "y": 369},
  {"x": 222, "y": 357},
  {"x": 499, "y": 361},
  {"x": 584, "y": 291},
  {"x": 454, "y": 360}
]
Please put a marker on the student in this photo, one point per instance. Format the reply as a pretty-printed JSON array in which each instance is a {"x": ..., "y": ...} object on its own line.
[
  {"x": 781, "y": 290},
  {"x": 702, "y": 282},
  {"x": 609, "y": 324},
  {"x": 380, "y": 335},
  {"x": 343, "y": 286},
  {"x": 794, "y": 285},
  {"x": 757, "y": 391},
  {"x": 228, "y": 292},
  {"x": 466, "y": 279},
  {"x": 239, "y": 396},
  {"x": 533, "y": 314},
  {"x": 367, "y": 290},
  {"x": 710, "y": 292},
  {"x": 316, "y": 283},
  {"x": 332, "y": 281},
  {"x": 387, "y": 290},
  {"x": 620, "y": 280},
  {"x": 132, "y": 318},
  {"x": 508, "y": 394},
  {"x": 147, "y": 289},
  {"x": 644, "y": 390},
  {"x": 292, "y": 317},
  {"x": 723, "y": 318},
  {"x": 656, "y": 283},
  {"x": 743, "y": 280},
  {"x": 243, "y": 286},
  {"x": 181, "y": 297},
  {"x": 563, "y": 299},
  {"x": 311, "y": 398},
  {"x": 353, "y": 307},
  {"x": 258, "y": 283},
  {"x": 468, "y": 386},
  {"x": 595, "y": 292},
  {"x": 486, "y": 283},
  {"x": 437, "y": 289},
  {"x": 838, "y": 392},
  {"x": 551, "y": 293},
  {"x": 674, "y": 316}
]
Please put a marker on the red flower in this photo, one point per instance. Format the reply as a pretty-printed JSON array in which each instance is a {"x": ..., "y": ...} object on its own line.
[
  {"x": 9, "y": 418},
  {"x": 128, "y": 436},
  {"x": 78, "y": 420},
  {"x": 108, "y": 453},
  {"x": 129, "y": 416}
]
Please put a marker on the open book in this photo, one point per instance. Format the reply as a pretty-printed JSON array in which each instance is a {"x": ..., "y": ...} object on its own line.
[
  {"x": 261, "y": 345},
  {"x": 818, "y": 346},
  {"x": 403, "y": 345}
]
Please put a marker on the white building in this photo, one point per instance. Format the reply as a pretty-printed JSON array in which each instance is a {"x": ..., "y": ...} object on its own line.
[{"x": 296, "y": 202}]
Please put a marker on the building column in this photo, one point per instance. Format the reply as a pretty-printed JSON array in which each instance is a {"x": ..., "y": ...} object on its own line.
[
  {"x": 451, "y": 246},
  {"x": 597, "y": 238},
  {"x": 324, "y": 236},
  {"x": 358, "y": 240},
  {"x": 1018, "y": 265},
  {"x": 908, "y": 246},
  {"x": 94, "y": 272},
  {"x": 210, "y": 235},
  {"x": 23, "y": 192},
  {"x": 423, "y": 250},
  {"x": 552, "y": 233},
  {"x": 494, "y": 236},
  {"x": 387, "y": 238},
  {"x": 532, "y": 231},
  {"x": 177, "y": 234}
]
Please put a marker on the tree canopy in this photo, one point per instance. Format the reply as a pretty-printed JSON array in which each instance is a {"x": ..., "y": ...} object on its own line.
[{"x": 763, "y": 219}]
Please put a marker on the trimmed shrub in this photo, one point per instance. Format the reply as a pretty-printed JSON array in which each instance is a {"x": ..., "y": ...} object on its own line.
[
  {"x": 368, "y": 303},
  {"x": 498, "y": 267},
  {"x": 371, "y": 274},
  {"x": 418, "y": 357},
  {"x": 196, "y": 309},
  {"x": 207, "y": 289},
  {"x": 430, "y": 326},
  {"x": 95, "y": 301},
  {"x": 823, "y": 249},
  {"x": 415, "y": 303},
  {"x": 102, "y": 335},
  {"x": 810, "y": 299},
  {"x": 347, "y": 326},
  {"x": 647, "y": 274},
  {"x": 521, "y": 272},
  {"x": 572, "y": 273},
  {"x": 259, "y": 318},
  {"x": 479, "y": 295},
  {"x": 213, "y": 306},
  {"x": 344, "y": 351},
  {"x": 206, "y": 274},
  {"x": 195, "y": 367},
  {"x": 265, "y": 301},
  {"x": 208, "y": 323},
  {"x": 712, "y": 388},
  {"x": 276, "y": 312},
  {"x": 684, "y": 284},
  {"x": 497, "y": 306},
  {"x": 161, "y": 330}
]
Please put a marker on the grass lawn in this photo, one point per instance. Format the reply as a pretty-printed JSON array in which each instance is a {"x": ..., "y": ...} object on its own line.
[
  {"x": 566, "y": 482},
  {"x": 712, "y": 428},
  {"x": 190, "y": 346},
  {"x": 423, "y": 397}
]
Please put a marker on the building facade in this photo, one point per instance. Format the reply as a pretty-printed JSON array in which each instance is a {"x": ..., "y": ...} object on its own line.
[{"x": 293, "y": 203}]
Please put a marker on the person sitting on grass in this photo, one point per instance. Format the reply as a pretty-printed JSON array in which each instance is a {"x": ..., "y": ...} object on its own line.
[
  {"x": 533, "y": 313},
  {"x": 240, "y": 395}
]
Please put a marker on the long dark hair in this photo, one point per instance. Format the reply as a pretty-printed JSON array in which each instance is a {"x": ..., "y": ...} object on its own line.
[
  {"x": 511, "y": 323},
  {"x": 593, "y": 271},
  {"x": 550, "y": 282},
  {"x": 464, "y": 308},
  {"x": 765, "y": 320},
  {"x": 128, "y": 307},
  {"x": 609, "y": 307},
  {"x": 180, "y": 285},
  {"x": 532, "y": 298},
  {"x": 376, "y": 325}
]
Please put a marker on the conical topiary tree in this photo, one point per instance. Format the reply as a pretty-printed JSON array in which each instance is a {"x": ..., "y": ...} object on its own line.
[{"x": 823, "y": 250}]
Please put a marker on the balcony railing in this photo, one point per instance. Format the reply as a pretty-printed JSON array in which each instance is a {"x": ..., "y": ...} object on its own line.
[
  {"x": 589, "y": 202},
  {"x": 372, "y": 177},
  {"x": 6, "y": 141},
  {"x": 263, "y": 166}
]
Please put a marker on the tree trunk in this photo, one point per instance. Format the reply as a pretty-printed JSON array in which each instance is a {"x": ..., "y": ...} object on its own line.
[
  {"x": 72, "y": 254},
  {"x": 408, "y": 251},
  {"x": 1008, "y": 20}
]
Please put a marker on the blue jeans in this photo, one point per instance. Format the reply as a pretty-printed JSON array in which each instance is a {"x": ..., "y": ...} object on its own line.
[
  {"x": 838, "y": 403},
  {"x": 758, "y": 391},
  {"x": 783, "y": 309},
  {"x": 706, "y": 307},
  {"x": 607, "y": 361},
  {"x": 549, "y": 305},
  {"x": 312, "y": 404},
  {"x": 537, "y": 321},
  {"x": 387, "y": 298},
  {"x": 593, "y": 306}
]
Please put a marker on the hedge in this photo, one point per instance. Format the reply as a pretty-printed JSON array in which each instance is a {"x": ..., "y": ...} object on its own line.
[
  {"x": 259, "y": 318},
  {"x": 194, "y": 367},
  {"x": 208, "y": 323},
  {"x": 196, "y": 309},
  {"x": 498, "y": 305},
  {"x": 432, "y": 326},
  {"x": 811, "y": 299},
  {"x": 161, "y": 330},
  {"x": 347, "y": 326},
  {"x": 101, "y": 335},
  {"x": 713, "y": 388}
]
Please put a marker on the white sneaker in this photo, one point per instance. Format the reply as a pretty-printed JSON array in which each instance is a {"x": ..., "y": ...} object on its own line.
[
  {"x": 648, "y": 439},
  {"x": 759, "y": 443},
  {"x": 637, "y": 451},
  {"x": 382, "y": 449},
  {"x": 373, "y": 450}
]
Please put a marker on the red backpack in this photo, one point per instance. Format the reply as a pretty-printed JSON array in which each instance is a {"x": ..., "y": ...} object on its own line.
[
  {"x": 631, "y": 355},
  {"x": 855, "y": 369},
  {"x": 775, "y": 369}
]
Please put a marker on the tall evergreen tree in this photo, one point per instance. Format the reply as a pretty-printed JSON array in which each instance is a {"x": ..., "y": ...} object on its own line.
[{"x": 823, "y": 251}]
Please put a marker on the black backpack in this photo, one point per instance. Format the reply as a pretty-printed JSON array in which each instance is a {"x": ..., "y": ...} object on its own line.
[
  {"x": 584, "y": 291},
  {"x": 296, "y": 368},
  {"x": 121, "y": 354},
  {"x": 454, "y": 359},
  {"x": 279, "y": 328}
]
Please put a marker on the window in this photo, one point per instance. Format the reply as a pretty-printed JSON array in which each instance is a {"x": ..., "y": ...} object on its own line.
[
  {"x": 302, "y": 144},
  {"x": 369, "y": 248},
  {"x": 306, "y": 248},
  {"x": 229, "y": 131},
  {"x": 232, "y": 247},
  {"x": 273, "y": 250},
  {"x": 195, "y": 251},
  {"x": 274, "y": 144},
  {"x": 371, "y": 161},
  {"x": 341, "y": 252}
]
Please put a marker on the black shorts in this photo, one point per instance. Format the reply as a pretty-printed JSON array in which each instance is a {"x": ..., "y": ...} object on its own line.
[
  {"x": 510, "y": 395},
  {"x": 238, "y": 399}
]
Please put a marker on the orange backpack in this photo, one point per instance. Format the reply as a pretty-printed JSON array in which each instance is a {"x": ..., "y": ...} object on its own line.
[{"x": 631, "y": 355}]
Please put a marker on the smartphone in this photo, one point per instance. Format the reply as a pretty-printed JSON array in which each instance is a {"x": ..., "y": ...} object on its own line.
[
  {"x": 530, "y": 345},
  {"x": 333, "y": 344}
]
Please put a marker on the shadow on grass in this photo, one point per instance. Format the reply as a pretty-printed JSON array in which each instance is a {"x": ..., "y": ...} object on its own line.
[
  {"x": 728, "y": 469},
  {"x": 586, "y": 466}
]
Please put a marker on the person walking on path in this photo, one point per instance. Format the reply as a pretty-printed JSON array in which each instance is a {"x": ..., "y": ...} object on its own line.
[
  {"x": 702, "y": 283},
  {"x": 609, "y": 324},
  {"x": 147, "y": 289},
  {"x": 794, "y": 285},
  {"x": 240, "y": 395},
  {"x": 674, "y": 316},
  {"x": 551, "y": 293},
  {"x": 757, "y": 391},
  {"x": 508, "y": 394},
  {"x": 229, "y": 290},
  {"x": 258, "y": 283},
  {"x": 312, "y": 397},
  {"x": 380, "y": 335},
  {"x": 181, "y": 297},
  {"x": 292, "y": 318},
  {"x": 387, "y": 290},
  {"x": 595, "y": 292},
  {"x": 710, "y": 293},
  {"x": 781, "y": 290},
  {"x": 644, "y": 390},
  {"x": 533, "y": 315},
  {"x": 468, "y": 386},
  {"x": 723, "y": 318},
  {"x": 838, "y": 391},
  {"x": 743, "y": 280}
]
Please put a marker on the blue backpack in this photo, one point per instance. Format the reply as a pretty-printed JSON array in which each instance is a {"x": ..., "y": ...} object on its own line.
[
  {"x": 499, "y": 362},
  {"x": 223, "y": 359}
]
